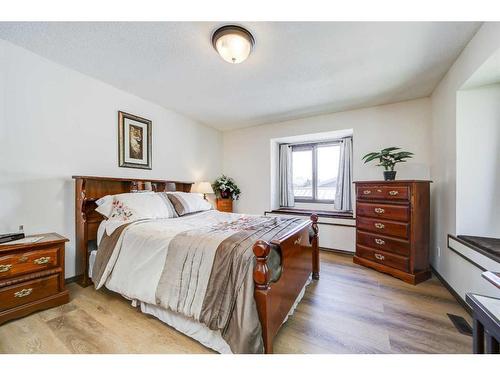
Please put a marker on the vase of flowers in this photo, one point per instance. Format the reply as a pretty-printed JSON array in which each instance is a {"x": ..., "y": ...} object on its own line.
[
  {"x": 226, "y": 188},
  {"x": 388, "y": 158}
]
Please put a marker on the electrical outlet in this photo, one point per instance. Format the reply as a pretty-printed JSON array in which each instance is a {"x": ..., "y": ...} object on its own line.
[
  {"x": 21, "y": 228},
  {"x": 438, "y": 248}
]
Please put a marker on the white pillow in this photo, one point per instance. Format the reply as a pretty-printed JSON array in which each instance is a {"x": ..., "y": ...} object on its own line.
[
  {"x": 105, "y": 205},
  {"x": 131, "y": 207},
  {"x": 186, "y": 203}
]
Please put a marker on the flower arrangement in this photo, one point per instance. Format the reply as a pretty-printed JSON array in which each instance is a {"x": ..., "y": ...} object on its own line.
[
  {"x": 388, "y": 159},
  {"x": 225, "y": 187}
]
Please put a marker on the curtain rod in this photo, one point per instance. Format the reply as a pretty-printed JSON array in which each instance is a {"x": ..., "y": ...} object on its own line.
[{"x": 335, "y": 140}]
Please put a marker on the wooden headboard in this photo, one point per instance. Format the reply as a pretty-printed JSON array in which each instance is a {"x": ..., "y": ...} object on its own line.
[{"x": 88, "y": 189}]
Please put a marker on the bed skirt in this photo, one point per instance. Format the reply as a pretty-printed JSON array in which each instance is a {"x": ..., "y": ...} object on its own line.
[{"x": 196, "y": 330}]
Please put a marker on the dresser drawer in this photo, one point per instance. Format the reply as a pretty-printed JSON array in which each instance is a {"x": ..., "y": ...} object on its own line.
[
  {"x": 383, "y": 192},
  {"x": 30, "y": 291},
  {"x": 388, "y": 244},
  {"x": 391, "y": 260},
  {"x": 383, "y": 211},
  {"x": 27, "y": 262},
  {"x": 390, "y": 228}
]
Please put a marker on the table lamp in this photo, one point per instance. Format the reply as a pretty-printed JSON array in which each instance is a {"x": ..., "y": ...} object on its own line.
[{"x": 204, "y": 188}]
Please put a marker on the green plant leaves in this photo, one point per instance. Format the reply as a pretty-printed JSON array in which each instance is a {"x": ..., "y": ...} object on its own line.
[
  {"x": 387, "y": 158},
  {"x": 371, "y": 156}
]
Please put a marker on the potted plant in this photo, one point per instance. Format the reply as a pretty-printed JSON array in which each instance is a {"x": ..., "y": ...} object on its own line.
[
  {"x": 388, "y": 158},
  {"x": 226, "y": 188}
]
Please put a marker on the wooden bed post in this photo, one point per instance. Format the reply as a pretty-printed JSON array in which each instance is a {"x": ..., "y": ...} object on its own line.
[
  {"x": 261, "y": 277},
  {"x": 81, "y": 233},
  {"x": 315, "y": 247}
]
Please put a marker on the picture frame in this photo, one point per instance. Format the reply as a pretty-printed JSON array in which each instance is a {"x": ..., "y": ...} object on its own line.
[{"x": 134, "y": 141}]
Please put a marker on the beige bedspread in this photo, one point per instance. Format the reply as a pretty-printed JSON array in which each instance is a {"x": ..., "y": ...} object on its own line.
[{"x": 207, "y": 275}]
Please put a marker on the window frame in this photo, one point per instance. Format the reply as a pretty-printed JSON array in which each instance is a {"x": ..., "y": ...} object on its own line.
[{"x": 313, "y": 146}]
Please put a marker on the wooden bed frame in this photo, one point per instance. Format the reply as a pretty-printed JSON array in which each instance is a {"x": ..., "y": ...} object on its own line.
[{"x": 299, "y": 249}]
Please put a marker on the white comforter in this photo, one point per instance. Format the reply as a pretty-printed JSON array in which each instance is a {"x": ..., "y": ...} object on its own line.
[{"x": 141, "y": 257}]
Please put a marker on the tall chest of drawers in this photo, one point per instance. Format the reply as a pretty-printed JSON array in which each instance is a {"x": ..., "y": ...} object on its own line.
[
  {"x": 392, "y": 228},
  {"x": 32, "y": 276}
]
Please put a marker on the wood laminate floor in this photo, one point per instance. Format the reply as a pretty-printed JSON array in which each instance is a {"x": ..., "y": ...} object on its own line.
[{"x": 351, "y": 309}]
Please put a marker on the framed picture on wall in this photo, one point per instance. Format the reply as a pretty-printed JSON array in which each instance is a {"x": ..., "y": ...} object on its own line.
[{"x": 134, "y": 141}]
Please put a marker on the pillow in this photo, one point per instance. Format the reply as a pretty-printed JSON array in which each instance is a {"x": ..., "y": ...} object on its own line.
[
  {"x": 169, "y": 204},
  {"x": 187, "y": 203},
  {"x": 105, "y": 205},
  {"x": 132, "y": 207}
]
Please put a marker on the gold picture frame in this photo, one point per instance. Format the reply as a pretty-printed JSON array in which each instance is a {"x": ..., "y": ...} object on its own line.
[{"x": 134, "y": 141}]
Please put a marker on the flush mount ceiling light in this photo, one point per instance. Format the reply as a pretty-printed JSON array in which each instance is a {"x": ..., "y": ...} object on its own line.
[{"x": 233, "y": 43}]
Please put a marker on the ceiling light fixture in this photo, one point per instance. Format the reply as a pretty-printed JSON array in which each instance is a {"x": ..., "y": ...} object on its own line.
[{"x": 233, "y": 43}]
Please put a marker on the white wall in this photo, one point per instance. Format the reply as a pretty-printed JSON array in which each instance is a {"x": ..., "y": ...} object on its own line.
[
  {"x": 462, "y": 276},
  {"x": 248, "y": 158},
  {"x": 247, "y": 152},
  {"x": 56, "y": 122},
  {"x": 478, "y": 161}
]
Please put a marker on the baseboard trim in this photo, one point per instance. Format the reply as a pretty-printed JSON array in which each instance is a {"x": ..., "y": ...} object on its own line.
[
  {"x": 71, "y": 279},
  {"x": 457, "y": 296},
  {"x": 338, "y": 251}
]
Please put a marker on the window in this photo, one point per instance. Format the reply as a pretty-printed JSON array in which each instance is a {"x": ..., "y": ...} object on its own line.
[{"x": 314, "y": 169}]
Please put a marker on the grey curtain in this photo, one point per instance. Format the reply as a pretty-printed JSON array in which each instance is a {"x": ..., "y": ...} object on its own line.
[
  {"x": 343, "y": 196},
  {"x": 285, "y": 177}
]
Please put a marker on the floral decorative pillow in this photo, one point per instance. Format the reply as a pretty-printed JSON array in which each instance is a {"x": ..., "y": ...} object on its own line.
[
  {"x": 120, "y": 211},
  {"x": 105, "y": 205},
  {"x": 131, "y": 207}
]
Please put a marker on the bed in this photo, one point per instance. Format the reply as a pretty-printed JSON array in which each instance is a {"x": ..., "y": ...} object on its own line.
[{"x": 143, "y": 266}]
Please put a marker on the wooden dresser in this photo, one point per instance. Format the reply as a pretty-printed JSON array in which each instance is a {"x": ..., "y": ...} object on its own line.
[
  {"x": 392, "y": 228},
  {"x": 32, "y": 276},
  {"x": 225, "y": 205}
]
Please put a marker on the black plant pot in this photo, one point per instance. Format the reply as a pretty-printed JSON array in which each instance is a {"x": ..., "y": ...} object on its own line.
[{"x": 389, "y": 175}]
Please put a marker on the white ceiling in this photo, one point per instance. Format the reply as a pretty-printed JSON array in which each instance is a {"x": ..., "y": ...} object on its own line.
[{"x": 297, "y": 69}]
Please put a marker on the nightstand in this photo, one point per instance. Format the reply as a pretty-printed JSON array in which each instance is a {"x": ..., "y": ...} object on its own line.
[
  {"x": 32, "y": 276},
  {"x": 224, "y": 205}
]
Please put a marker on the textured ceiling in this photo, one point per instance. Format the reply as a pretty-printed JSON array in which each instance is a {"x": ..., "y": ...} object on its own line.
[{"x": 297, "y": 69}]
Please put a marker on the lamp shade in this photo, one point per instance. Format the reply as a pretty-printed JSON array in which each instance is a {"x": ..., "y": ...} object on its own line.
[{"x": 204, "y": 187}]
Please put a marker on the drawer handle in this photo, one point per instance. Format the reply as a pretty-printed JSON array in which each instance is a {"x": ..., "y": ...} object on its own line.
[
  {"x": 23, "y": 293},
  {"x": 5, "y": 267},
  {"x": 379, "y": 210},
  {"x": 367, "y": 192},
  {"x": 393, "y": 192},
  {"x": 379, "y": 225},
  {"x": 42, "y": 260},
  {"x": 379, "y": 241},
  {"x": 379, "y": 256},
  {"x": 297, "y": 241},
  {"x": 23, "y": 259}
]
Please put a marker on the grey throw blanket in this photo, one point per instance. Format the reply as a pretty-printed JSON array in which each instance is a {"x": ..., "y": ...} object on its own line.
[{"x": 106, "y": 248}]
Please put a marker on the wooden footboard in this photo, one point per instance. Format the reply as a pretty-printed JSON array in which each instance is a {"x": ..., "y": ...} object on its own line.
[{"x": 299, "y": 260}]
